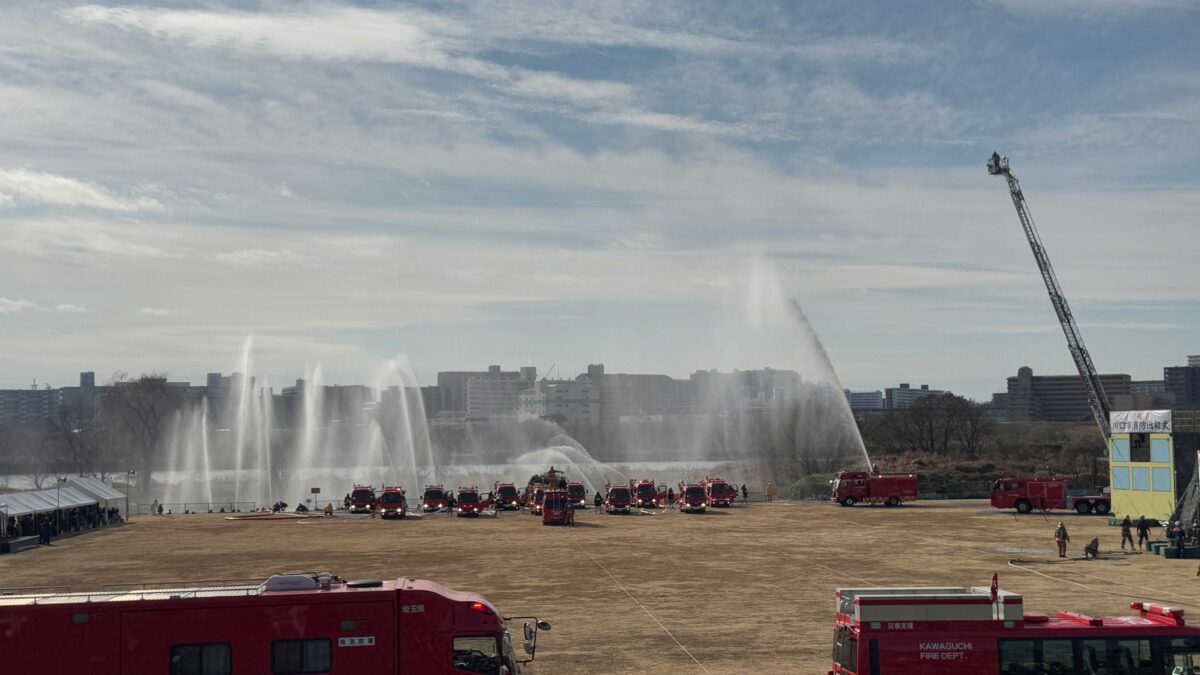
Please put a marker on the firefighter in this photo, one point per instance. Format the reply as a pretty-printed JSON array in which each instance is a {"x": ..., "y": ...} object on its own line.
[
  {"x": 745, "y": 493},
  {"x": 1062, "y": 539},
  {"x": 1179, "y": 537},
  {"x": 1126, "y": 533},
  {"x": 598, "y": 501},
  {"x": 1092, "y": 550},
  {"x": 329, "y": 510},
  {"x": 670, "y": 497},
  {"x": 346, "y": 501},
  {"x": 1143, "y": 530}
]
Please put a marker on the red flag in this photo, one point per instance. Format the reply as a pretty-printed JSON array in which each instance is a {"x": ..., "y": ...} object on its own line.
[{"x": 995, "y": 587}]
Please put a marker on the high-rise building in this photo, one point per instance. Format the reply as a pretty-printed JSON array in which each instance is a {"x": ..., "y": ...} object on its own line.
[
  {"x": 1057, "y": 398},
  {"x": 1184, "y": 383},
  {"x": 902, "y": 397},
  {"x": 568, "y": 402},
  {"x": 496, "y": 392},
  {"x": 28, "y": 406},
  {"x": 741, "y": 390},
  {"x": 865, "y": 400},
  {"x": 454, "y": 385},
  {"x": 1194, "y": 361}
]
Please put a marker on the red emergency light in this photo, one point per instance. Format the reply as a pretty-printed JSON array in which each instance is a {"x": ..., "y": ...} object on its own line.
[{"x": 479, "y": 607}]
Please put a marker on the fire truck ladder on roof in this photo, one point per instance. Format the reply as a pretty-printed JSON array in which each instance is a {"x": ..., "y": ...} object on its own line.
[{"x": 1097, "y": 399}]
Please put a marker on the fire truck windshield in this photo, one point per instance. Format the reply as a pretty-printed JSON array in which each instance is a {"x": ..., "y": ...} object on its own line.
[
  {"x": 575, "y": 489},
  {"x": 468, "y": 497},
  {"x": 618, "y": 493},
  {"x": 1134, "y": 655},
  {"x": 647, "y": 492},
  {"x": 554, "y": 501},
  {"x": 361, "y": 494},
  {"x": 694, "y": 493},
  {"x": 477, "y": 654},
  {"x": 507, "y": 491},
  {"x": 391, "y": 498},
  {"x": 434, "y": 494}
]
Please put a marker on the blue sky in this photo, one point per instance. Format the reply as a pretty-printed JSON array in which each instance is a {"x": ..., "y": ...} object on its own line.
[{"x": 475, "y": 183}]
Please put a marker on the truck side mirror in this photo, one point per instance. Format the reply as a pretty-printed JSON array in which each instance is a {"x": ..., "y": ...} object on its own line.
[
  {"x": 543, "y": 625},
  {"x": 528, "y": 631}
]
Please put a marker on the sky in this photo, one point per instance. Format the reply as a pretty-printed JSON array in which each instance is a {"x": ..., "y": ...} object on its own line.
[{"x": 560, "y": 184}]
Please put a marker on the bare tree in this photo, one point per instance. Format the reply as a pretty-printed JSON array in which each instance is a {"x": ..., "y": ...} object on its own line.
[
  {"x": 141, "y": 407},
  {"x": 80, "y": 439}
]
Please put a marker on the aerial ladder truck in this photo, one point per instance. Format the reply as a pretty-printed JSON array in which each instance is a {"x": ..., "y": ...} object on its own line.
[{"x": 1097, "y": 399}]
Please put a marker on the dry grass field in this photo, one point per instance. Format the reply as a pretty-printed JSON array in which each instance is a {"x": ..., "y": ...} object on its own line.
[{"x": 742, "y": 590}]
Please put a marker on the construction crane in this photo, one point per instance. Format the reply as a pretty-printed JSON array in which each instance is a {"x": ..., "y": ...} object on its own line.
[{"x": 1097, "y": 399}]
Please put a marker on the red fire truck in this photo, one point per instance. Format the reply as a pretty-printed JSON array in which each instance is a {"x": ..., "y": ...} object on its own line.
[
  {"x": 720, "y": 493},
  {"x": 892, "y": 489},
  {"x": 645, "y": 494},
  {"x": 578, "y": 493},
  {"x": 507, "y": 498},
  {"x": 1042, "y": 494},
  {"x": 292, "y": 623},
  {"x": 362, "y": 499},
  {"x": 469, "y": 503},
  {"x": 985, "y": 631},
  {"x": 434, "y": 498},
  {"x": 534, "y": 501},
  {"x": 392, "y": 502},
  {"x": 692, "y": 498},
  {"x": 558, "y": 508},
  {"x": 617, "y": 498}
]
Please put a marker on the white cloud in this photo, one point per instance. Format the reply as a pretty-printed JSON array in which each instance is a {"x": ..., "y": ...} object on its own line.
[
  {"x": 156, "y": 311},
  {"x": 257, "y": 257},
  {"x": 71, "y": 309},
  {"x": 1091, "y": 7},
  {"x": 8, "y": 306},
  {"x": 48, "y": 188},
  {"x": 341, "y": 34}
]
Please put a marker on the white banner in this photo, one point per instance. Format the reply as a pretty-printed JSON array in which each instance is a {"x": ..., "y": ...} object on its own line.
[{"x": 1140, "y": 422}]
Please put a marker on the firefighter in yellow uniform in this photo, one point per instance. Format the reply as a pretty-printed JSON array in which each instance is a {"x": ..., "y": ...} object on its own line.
[{"x": 770, "y": 492}]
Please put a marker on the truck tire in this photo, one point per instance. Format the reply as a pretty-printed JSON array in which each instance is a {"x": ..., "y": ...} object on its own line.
[
  {"x": 1101, "y": 508},
  {"x": 1082, "y": 507},
  {"x": 893, "y": 501},
  {"x": 848, "y": 501},
  {"x": 1023, "y": 506}
]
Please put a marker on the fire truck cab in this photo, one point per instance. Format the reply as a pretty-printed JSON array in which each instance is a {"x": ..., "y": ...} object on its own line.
[
  {"x": 392, "y": 502},
  {"x": 693, "y": 498},
  {"x": 617, "y": 498},
  {"x": 645, "y": 495},
  {"x": 720, "y": 493},
  {"x": 507, "y": 497},
  {"x": 1042, "y": 494},
  {"x": 578, "y": 493},
  {"x": 558, "y": 508},
  {"x": 291, "y": 623},
  {"x": 362, "y": 499},
  {"x": 944, "y": 631},
  {"x": 433, "y": 498},
  {"x": 468, "y": 503},
  {"x": 861, "y": 487}
]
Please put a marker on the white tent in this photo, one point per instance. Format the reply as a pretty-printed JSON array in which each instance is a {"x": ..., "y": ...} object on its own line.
[
  {"x": 14, "y": 504},
  {"x": 94, "y": 487}
]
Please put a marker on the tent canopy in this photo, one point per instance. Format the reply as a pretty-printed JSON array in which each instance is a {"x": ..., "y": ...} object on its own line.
[
  {"x": 94, "y": 487},
  {"x": 14, "y": 504}
]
